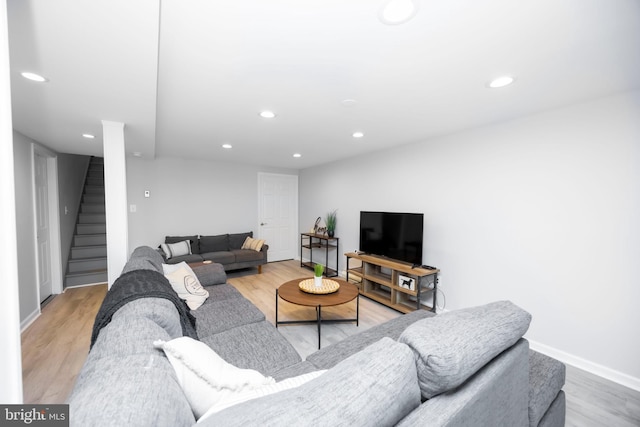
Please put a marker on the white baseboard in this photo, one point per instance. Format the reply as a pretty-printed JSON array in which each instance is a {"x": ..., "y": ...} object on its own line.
[
  {"x": 29, "y": 320},
  {"x": 586, "y": 365}
]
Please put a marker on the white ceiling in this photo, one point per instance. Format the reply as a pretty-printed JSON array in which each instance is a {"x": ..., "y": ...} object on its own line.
[{"x": 186, "y": 76}]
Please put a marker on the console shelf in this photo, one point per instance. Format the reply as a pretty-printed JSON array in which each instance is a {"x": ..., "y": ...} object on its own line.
[
  {"x": 311, "y": 241},
  {"x": 393, "y": 283}
]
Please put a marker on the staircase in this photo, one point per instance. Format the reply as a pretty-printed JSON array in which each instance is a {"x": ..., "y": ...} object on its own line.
[{"x": 88, "y": 257}]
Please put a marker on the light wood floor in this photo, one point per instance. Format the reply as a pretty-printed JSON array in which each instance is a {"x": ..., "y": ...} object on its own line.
[{"x": 55, "y": 346}]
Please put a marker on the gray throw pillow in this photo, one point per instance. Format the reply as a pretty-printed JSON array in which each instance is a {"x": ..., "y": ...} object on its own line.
[
  {"x": 451, "y": 347},
  {"x": 237, "y": 240},
  {"x": 218, "y": 243}
]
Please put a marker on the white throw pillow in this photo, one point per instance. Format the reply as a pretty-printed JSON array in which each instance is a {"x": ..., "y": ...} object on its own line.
[
  {"x": 176, "y": 249},
  {"x": 204, "y": 376},
  {"x": 186, "y": 284},
  {"x": 243, "y": 396}
]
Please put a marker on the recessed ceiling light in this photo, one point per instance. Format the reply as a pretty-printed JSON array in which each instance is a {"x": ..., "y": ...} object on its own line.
[
  {"x": 267, "y": 114},
  {"x": 357, "y": 134},
  {"x": 227, "y": 146},
  {"x": 88, "y": 136},
  {"x": 297, "y": 155},
  {"x": 34, "y": 77},
  {"x": 137, "y": 154},
  {"x": 501, "y": 81},
  {"x": 394, "y": 12}
]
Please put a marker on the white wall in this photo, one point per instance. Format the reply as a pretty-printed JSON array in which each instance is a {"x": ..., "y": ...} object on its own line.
[
  {"x": 25, "y": 225},
  {"x": 191, "y": 197},
  {"x": 542, "y": 211},
  {"x": 10, "y": 363}
]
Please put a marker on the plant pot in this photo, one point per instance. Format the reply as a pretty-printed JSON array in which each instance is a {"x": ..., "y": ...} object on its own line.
[
  {"x": 317, "y": 281},
  {"x": 330, "y": 233}
]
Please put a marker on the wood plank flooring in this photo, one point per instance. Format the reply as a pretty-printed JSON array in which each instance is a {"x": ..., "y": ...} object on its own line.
[{"x": 55, "y": 346}]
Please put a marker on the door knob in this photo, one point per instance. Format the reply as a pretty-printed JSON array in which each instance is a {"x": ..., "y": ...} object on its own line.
[{"x": 263, "y": 223}]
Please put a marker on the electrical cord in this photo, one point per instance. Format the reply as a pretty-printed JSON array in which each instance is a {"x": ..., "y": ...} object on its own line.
[{"x": 442, "y": 300}]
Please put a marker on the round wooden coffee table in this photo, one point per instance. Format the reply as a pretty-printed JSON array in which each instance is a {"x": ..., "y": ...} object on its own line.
[{"x": 290, "y": 292}]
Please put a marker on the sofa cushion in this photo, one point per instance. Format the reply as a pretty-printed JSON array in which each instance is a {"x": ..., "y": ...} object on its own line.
[
  {"x": 245, "y": 255},
  {"x": 377, "y": 386},
  {"x": 221, "y": 293},
  {"x": 236, "y": 240},
  {"x": 184, "y": 258},
  {"x": 195, "y": 248},
  {"x": 221, "y": 257},
  {"x": 186, "y": 284},
  {"x": 331, "y": 355},
  {"x": 205, "y": 377},
  {"x": 256, "y": 346},
  {"x": 214, "y": 243},
  {"x": 546, "y": 379},
  {"x": 451, "y": 347},
  {"x": 172, "y": 250},
  {"x": 261, "y": 391},
  {"x": 218, "y": 316},
  {"x": 210, "y": 274},
  {"x": 294, "y": 370}
]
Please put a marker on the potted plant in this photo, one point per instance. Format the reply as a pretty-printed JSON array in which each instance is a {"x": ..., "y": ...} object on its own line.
[
  {"x": 330, "y": 222},
  {"x": 318, "y": 269}
]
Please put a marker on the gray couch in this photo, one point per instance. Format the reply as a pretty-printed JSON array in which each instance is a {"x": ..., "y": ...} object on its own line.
[
  {"x": 225, "y": 249},
  {"x": 462, "y": 368}
]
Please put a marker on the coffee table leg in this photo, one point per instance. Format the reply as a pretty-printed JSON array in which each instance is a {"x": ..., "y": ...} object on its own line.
[
  {"x": 319, "y": 314},
  {"x": 276, "y": 309},
  {"x": 357, "y": 309}
]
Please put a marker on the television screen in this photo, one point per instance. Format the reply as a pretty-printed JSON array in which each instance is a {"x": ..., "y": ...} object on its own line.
[{"x": 393, "y": 235}]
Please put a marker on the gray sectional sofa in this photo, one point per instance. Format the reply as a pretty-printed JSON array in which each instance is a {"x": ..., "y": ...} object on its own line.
[
  {"x": 225, "y": 249},
  {"x": 462, "y": 368}
]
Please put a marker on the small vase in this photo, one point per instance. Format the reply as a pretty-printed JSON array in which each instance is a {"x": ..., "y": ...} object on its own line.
[{"x": 317, "y": 281}]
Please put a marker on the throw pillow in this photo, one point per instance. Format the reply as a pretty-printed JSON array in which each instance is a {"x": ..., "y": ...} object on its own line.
[
  {"x": 176, "y": 249},
  {"x": 218, "y": 243},
  {"x": 254, "y": 244},
  {"x": 236, "y": 240},
  {"x": 264, "y": 390},
  {"x": 205, "y": 377},
  {"x": 186, "y": 284},
  {"x": 451, "y": 347},
  {"x": 192, "y": 239}
]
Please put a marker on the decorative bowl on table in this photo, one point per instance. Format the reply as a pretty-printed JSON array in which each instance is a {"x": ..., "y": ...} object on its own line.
[{"x": 328, "y": 286}]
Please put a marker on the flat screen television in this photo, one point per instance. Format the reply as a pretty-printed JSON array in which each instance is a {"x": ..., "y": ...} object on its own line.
[{"x": 393, "y": 235}]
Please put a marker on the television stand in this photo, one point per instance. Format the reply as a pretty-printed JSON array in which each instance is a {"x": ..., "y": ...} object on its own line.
[{"x": 395, "y": 284}]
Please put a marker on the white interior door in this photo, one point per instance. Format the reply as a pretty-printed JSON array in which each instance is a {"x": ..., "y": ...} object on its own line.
[
  {"x": 278, "y": 214},
  {"x": 42, "y": 227}
]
